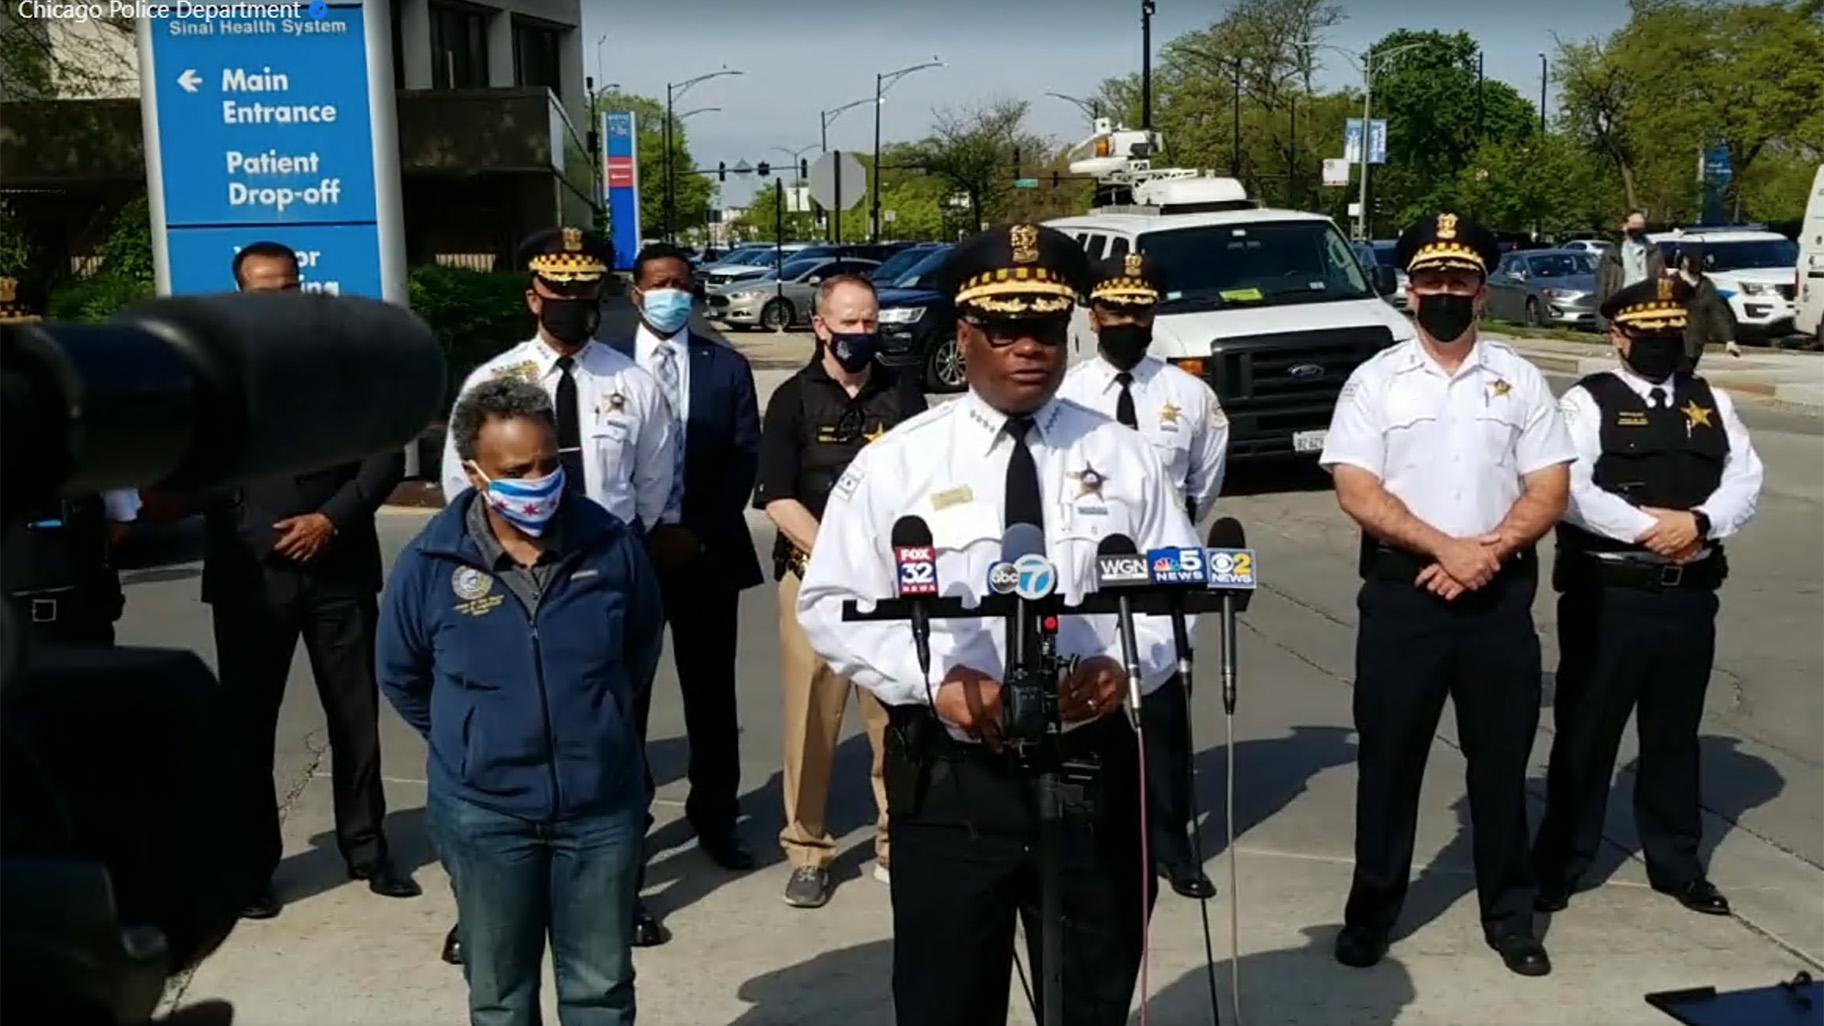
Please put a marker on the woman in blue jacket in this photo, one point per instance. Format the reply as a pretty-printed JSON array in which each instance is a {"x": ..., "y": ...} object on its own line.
[{"x": 515, "y": 634}]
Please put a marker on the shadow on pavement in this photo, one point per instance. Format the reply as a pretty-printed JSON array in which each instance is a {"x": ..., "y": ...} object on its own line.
[
  {"x": 1291, "y": 985},
  {"x": 685, "y": 877},
  {"x": 1733, "y": 783},
  {"x": 849, "y": 985},
  {"x": 320, "y": 869},
  {"x": 1443, "y": 881},
  {"x": 1270, "y": 774}
]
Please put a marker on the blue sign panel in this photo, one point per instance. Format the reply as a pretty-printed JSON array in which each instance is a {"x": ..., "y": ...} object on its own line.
[
  {"x": 1718, "y": 168},
  {"x": 1377, "y": 140},
  {"x": 621, "y": 170},
  {"x": 337, "y": 259},
  {"x": 264, "y": 132},
  {"x": 1352, "y": 140}
]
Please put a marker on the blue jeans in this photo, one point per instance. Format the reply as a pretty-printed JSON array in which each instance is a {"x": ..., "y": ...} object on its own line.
[{"x": 517, "y": 880}]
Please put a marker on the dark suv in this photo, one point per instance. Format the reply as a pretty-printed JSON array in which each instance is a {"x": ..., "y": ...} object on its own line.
[{"x": 918, "y": 324}]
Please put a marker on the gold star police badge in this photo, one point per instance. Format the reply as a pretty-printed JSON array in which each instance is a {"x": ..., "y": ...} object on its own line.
[
  {"x": 1695, "y": 414},
  {"x": 879, "y": 429},
  {"x": 1168, "y": 414},
  {"x": 1502, "y": 387},
  {"x": 1089, "y": 481}
]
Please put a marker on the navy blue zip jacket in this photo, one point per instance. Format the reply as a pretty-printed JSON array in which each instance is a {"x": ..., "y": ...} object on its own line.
[{"x": 527, "y": 715}]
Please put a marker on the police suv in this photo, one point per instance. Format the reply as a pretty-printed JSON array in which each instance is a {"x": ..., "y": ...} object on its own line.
[
  {"x": 1755, "y": 271},
  {"x": 1270, "y": 307}
]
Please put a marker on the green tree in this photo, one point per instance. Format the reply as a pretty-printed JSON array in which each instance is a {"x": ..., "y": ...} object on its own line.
[
  {"x": 692, "y": 193},
  {"x": 971, "y": 150}
]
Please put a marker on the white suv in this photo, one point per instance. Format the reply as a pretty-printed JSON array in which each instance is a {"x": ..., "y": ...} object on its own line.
[{"x": 1754, "y": 270}]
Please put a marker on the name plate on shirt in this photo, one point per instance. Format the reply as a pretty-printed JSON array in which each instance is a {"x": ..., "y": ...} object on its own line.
[{"x": 1310, "y": 441}]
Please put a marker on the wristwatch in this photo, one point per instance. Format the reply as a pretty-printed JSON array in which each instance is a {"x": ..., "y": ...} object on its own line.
[{"x": 1703, "y": 523}]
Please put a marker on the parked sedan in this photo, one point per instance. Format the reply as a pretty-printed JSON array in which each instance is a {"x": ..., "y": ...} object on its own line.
[
  {"x": 918, "y": 324},
  {"x": 777, "y": 301},
  {"x": 1544, "y": 286}
]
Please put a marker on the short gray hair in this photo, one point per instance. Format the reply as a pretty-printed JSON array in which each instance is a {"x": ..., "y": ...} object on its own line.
[
  {"x": 834, "y": 282},
  {"x": 497, "y": 399}
]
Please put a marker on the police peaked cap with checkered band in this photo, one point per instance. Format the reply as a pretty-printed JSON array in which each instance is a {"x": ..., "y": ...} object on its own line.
[
  {"x": 567, "y": 259},
  {"x": 1656, "y": 306},
  {"x": 1448, "y": 242},
  {"x": 13, "y": 309},
  {"x": 1017, "y": 272},
  {"x": 1129, "y": 280}
]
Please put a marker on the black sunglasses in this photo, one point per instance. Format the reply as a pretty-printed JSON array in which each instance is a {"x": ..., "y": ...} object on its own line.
[{"x": 1002, "y": 334}]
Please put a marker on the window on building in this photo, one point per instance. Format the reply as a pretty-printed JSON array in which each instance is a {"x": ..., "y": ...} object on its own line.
[
  {"x": 459, "y": 47},
  {"x": 535, "y": 49}
]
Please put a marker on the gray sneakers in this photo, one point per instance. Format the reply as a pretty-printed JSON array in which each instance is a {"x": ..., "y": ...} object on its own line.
[{"x": 809, "y": 887}]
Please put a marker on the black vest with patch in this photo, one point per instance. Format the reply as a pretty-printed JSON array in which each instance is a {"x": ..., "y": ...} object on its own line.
[{"x": 1670, "y": 458}]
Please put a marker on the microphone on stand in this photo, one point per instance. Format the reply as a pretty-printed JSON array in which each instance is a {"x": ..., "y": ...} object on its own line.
[
  {"x": 1232, "y": 571},
  {"x": 1119, "y": 565},
  {"x": 915, "y": 578}
]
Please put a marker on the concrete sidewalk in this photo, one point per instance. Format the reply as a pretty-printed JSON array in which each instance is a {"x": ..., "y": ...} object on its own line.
[{"x": 1786, "y": 376}]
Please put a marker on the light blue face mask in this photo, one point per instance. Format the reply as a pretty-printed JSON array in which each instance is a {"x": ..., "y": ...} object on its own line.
[{"x": 666, "y": 311}]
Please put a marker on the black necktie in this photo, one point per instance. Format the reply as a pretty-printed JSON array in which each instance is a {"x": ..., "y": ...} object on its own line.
[
  {"x": 1124, "y": 408},
  {"x": 1023, "y": 505},
  {"x": 569, "y": 427},
  {"x": 1658, "y": 398}
]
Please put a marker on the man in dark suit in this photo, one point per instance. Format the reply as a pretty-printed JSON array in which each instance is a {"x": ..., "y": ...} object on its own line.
[
  {"x": 298, "y": 556},
  {"x": 701, "y": 548}
]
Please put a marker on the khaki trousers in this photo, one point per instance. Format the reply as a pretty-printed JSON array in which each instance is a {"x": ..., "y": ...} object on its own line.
[{"x": 815, "y": 697}]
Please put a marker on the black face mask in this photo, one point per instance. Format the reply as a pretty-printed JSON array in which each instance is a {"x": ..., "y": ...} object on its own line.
[
  {"x": 1124, "y": 344},
  {"x": 1634, "y": 233},
  {"x": 1446, "y": 317},
  {"x": 854, "y": 350},
  {"x": 570, "y": 321},
  {"x": 1655, "y": 357}
]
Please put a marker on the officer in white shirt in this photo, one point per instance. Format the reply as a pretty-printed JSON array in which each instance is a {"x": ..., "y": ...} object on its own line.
[
  {"x": 1450, "y": 454},
  {"x": 615, "y": 432},
  {"x": 1665, "y": 471},
  {"x": 965, "y": 832},
  {"x": 1180, "y": 416}
]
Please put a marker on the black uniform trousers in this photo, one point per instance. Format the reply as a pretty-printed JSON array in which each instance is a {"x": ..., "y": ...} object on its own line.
[
  {"x": 1624, "y": 647},
  {"x": 1412, "y": 650},
  {"x": 255, "y": 636},
  {"x": 1166, "y": 718},
  {"x": 966, "y": 862},
  {"x": 703, "y": 610}
]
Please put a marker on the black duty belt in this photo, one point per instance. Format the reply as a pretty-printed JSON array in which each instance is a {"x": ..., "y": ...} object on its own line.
[
  {"x": 1646, "y": 575},
  {"x": 1386, "y": 563}
]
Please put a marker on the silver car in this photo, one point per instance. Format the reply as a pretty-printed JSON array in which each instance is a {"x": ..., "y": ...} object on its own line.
[
  {"x": 1544, "y": 287},
  {"x": 779, "y": 301}
]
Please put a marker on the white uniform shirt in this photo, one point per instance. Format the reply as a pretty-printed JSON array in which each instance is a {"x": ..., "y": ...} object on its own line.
[
  {"x": 1602, "y": 512},
  {"x": 949, "y": 466},
  {"x": 1174, "y": 411},
  {"x": 626, "y": 427},
  {"x": 1452, "y": 447},
  {"x": 646, "y": 347}
]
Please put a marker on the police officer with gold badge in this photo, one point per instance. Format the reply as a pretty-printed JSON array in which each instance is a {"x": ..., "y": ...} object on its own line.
[
  {"x": 1665, "y": 471},
  {"x": 965, "y": 830},
  {"x": 614, "y": 432},
  {"x": 1180, "y": 416},
  {"x": 1448, "y": 450}
]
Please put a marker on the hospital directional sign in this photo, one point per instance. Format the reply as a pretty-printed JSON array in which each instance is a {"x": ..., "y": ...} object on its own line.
[{"x": 273, "y": 125}]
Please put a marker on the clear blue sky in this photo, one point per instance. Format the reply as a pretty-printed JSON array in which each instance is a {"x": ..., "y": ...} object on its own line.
[{"x": 800, "y": 56}]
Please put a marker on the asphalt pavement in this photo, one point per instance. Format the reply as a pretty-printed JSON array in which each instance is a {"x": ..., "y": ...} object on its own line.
[{"x": 739, "y": 955}]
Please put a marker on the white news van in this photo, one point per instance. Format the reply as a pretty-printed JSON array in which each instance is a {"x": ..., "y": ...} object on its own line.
[
  {"x": 1270, "y": 307},
  {"x": 1808, "y": 311}
]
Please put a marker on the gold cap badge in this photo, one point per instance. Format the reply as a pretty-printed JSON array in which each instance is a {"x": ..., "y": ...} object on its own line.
[
  {"x": 9, "y": 290},
  {"x": 573, "y": 240},
  {"x": 1025, "y": 241},
  {"x": 1447, "y": 226},
  {"x": 1132, "y": 265}
]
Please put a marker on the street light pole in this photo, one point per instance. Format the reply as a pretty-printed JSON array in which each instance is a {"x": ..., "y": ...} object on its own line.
[
  {"x": 672, "y": 92},
  {"x": 1544, "y": 77},
  {"x": 1092, "y": 109},
  {"x": 1365, "y": 61},
  {"x": 1235, "y": 159},
  {"x": 1146, "y": 64},
  {"x": 883, "y": 82}
]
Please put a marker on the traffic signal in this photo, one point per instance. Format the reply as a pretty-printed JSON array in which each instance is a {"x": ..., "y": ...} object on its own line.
[
  {"x": 1054, "y": 179},
  {"x": 1016, "y": 162},
  {"x": 804, "y": 167},
  {"x": 763, "y": 168},
  {"x": 721, "y": 171}
]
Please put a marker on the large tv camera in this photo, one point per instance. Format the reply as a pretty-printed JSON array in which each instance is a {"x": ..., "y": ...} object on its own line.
[{"x": 118, "y": 850}]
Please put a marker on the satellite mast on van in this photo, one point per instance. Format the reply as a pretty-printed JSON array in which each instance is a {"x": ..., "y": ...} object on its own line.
[{"x": 1120, "y": 159}]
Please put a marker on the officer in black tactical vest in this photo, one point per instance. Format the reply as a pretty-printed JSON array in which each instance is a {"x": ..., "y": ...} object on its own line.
[
  {"x": 815, "y": 424},
  {"x": 60, "y": 575},
  {"x": 1665, "y": 471}
]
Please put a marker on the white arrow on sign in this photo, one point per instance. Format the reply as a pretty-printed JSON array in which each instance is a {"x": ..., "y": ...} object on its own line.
[{"x": 189, "y": 80}]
